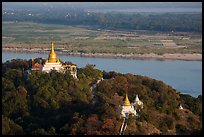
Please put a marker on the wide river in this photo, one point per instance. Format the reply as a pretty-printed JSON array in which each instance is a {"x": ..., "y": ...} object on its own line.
[{"x": 184, "y": 76}]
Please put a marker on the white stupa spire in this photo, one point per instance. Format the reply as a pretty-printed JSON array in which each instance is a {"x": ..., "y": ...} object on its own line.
[
  {"x": 138, "y": 102},
  {"x": 180, "y": 107}
]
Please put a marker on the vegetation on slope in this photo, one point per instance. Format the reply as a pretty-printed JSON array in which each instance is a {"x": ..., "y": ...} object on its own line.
[{"x": 56, "y": 104}]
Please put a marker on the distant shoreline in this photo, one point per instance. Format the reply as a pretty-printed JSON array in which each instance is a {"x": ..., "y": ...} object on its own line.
[{"x": 166, "y": 56}]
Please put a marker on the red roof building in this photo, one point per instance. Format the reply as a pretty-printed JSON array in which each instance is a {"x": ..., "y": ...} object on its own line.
[{"x": 37, "y": 66}]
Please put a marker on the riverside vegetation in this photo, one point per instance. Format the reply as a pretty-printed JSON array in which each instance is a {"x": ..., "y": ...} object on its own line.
[{"x": 56, "y": 104}]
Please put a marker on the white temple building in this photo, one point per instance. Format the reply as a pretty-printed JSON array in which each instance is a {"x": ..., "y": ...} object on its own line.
[{"x": 127, "y": 108}]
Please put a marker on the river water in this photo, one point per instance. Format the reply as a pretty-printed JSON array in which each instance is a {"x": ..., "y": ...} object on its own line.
[{"x": 184, "y": 76}]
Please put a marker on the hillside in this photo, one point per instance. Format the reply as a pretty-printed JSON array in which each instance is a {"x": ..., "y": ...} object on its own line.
[{"x": 57, "y": 104}]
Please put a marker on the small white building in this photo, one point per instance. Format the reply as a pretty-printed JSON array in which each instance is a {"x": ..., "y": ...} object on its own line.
[{"x": 127, "y": 108}]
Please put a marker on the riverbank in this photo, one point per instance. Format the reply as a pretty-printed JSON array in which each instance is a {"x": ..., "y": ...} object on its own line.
[{"x": 176, "y": 56}]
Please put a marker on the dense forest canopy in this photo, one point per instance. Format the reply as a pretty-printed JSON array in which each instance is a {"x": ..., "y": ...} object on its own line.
[
  {"x": 73, "y": 15},
  {"x": 56, "y": 104}
]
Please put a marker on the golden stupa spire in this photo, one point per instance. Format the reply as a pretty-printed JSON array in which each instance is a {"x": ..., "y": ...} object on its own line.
[
  {"x": 126, "y": 102},
  {"x": 52, "y": 46},
  {"x": 52, "y": 55}
]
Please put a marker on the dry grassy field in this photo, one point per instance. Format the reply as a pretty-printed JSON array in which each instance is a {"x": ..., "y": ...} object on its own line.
[{"x": 83, "y": 39}]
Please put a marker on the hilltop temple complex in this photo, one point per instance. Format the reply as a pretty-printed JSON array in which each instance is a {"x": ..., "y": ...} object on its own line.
[
  {"x": 130, "y": 108},
  {"x": 54, "y": 63}
]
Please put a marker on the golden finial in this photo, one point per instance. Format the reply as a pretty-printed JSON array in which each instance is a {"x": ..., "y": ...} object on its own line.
[
  {"x": 52, "y": 44},
  {"x": 126, "y": 102}
]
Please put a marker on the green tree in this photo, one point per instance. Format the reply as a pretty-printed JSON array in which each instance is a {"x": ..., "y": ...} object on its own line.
[
  {"x": 15, "y": 104},
  {"x": 90, "y": 72},
  {"x": 11, "y": 128},
  {"x": 40, "y": 132},
  {"x": 7, "y": 85}
]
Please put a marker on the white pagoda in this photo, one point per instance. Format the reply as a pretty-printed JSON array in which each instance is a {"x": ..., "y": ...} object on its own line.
[{"x": 138, "y": 102}]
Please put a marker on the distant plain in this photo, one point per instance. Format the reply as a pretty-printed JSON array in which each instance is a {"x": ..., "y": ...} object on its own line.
[{"x": 89, "y": 40}]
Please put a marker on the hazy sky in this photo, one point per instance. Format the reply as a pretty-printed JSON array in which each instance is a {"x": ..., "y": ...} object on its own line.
[{"x": 113, "y": 6}]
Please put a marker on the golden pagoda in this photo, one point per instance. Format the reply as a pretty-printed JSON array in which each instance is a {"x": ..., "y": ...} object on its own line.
[
  {"x": 127, "y": 108},
  {"x": 52, "y": 56},
  {"x": 126, "y": 102},
  {"x": 53, "y": 63}
]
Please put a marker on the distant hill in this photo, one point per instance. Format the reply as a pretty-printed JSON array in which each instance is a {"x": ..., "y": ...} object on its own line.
[
  {"x": 159, "y": 16},
  {"x": 56, "y": 104}
]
